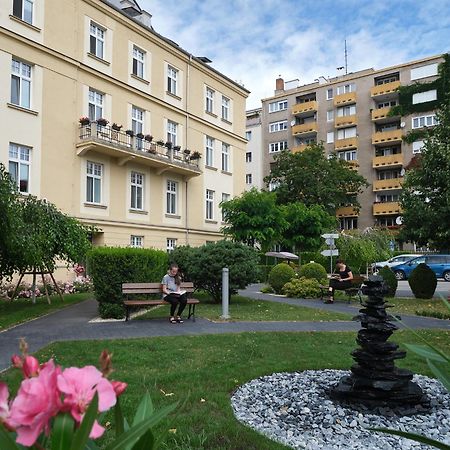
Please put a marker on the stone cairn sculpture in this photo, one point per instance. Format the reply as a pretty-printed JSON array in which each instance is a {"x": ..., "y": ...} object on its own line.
[{"x": 375, "y": 381}]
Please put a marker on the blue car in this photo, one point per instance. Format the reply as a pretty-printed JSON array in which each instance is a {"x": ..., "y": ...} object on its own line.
[{"x": 439, "y": 264}]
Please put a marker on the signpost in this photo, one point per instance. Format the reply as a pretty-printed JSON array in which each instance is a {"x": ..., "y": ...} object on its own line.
[{"x": 332, "y": 251}]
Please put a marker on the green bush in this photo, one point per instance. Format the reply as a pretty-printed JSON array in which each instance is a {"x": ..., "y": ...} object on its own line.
[
  {"x": 111, "y": 311},
  {"x": 389, "y": 276},
  {"x": 422, "y": 282},
  {"x": 267, "y": 290},
  {"x": 112, "y": 266},
  {"x": 307, "y": 257},
  {"x": 263, "y": 272},
  {"x": 313, "y": 270},
  {"x": 302, "y": 288},
  {"x": 279, "y": 276}
]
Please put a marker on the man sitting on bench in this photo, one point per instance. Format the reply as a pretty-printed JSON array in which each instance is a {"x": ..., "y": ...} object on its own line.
[
  {"x": 172, "y": 293},
  {"x": 341, "y": 279}
]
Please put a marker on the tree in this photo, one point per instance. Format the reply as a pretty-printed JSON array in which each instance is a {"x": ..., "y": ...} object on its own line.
[
  {"x": 254, "y": 218},
  {"x": 311, "y": 178}
]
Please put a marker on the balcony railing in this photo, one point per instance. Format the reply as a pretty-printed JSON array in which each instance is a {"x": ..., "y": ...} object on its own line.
[
  {"x": 345, "y": 99},
  {"x": 346, "y": 211},
  {"x": 119, "y": 144},
  {"x": 345, "y": 144},
  {"x": 305, "y": 128},
  {"x": 299, "y": 148},
  {"x": 386, "y": 161},
  {"x": 386, "y": 208},
  {"x": 345, "y": 121},
  {"x": 392, "y": 183},
  {"x": 387, "y": 137},
  {"x": 306, "y": 107},
  {"x": 385, "y": 89}
]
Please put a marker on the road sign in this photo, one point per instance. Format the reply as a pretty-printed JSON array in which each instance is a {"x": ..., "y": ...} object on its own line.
[
  {"x": 330, "y": 235},
  {"x": 329, "y": 241},
  {"x": 330, "y": 252}
]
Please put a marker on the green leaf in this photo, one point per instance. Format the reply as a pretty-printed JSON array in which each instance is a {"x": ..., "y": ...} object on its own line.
[
  {"x": 146, "y": 442},
  {"x": 144, "y": 410},
  {"x": 62, "y": 433},
  {"x": 414, "y": 437},
  {"x": 425, "y": 352},
  {"x": 119, "y": 419},
  {"x": 7, "y": 440},
  {"x": 441, "y": 373},
  {"x": 91, "y": 445},
  {"x": 82, "y": 435},
  {"x": 138, "y": 430}
]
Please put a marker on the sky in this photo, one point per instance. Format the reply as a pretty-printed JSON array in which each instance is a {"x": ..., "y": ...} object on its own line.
[{"x": 253, "y": 42}]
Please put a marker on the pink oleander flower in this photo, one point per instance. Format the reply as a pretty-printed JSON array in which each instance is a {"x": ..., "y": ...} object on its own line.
[
  {"x": 37, "y": 401},
  {"x": 30, "y": 367},
  {"x": 119, "y": 387},
  {"x": 17, "y": 361},
  {"x": 79, "y": 387},
  {"x": 4, "y": 406}
]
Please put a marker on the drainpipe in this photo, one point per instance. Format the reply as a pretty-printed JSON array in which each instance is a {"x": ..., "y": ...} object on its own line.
[{"x": 186, "y": 142}]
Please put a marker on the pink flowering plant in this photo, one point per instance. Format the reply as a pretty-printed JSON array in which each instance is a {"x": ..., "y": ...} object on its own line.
[{"x": 57, "y": 408}]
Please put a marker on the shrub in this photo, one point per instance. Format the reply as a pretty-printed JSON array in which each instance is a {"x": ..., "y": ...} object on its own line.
[
  {"x": 389, "y": 276},
  {"x": 267, "y": 290},
  {"x": 302, "y": 288},
  {"x": 422, "y": 281},
  {"x": 263, "y": 272},
  {"x": 313, "y": 270},
  {"x": 110, "y": 267},
  {"x": 307, "y": 257},
  {"x": 279, "y": 276}
]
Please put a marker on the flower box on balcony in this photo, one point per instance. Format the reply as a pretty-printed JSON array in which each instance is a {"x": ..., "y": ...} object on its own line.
[
  {"x": 177, "y": 148},
  {"x": 195, "y": 155},
  {"x": 102, "y": 122},
  {"x": 140, "y": 135},
  {"x": 84, "y": 121},
  {"x": 116, "y": 127},
  {"x": 130, "y": 133},
  {"x": 160, "y": 142},
  {"x": 148, "y": 137},
  {"x": 168, "y": 145}
]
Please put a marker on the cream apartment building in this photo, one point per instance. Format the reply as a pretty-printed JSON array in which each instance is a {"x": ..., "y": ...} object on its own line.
[
  {"x": 253, "y": 155},
  {"x": 63, "y": 60},
  {"x": 350, "y": 115}
]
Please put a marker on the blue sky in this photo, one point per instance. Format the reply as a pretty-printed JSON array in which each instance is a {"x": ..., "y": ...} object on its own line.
[{"x": 253, "y": 42}]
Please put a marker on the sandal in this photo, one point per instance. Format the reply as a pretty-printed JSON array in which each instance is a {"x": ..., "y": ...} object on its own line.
[
  {"x": 329, "y": 301},
  {"x": 180, "y": 320},
  {"x": 172, "y": 320}
]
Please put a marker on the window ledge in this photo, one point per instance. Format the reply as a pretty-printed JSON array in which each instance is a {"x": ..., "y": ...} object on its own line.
[
  {"x": 95, "y": 205},
  {"x": 211, "y": 114},
  {"x": 225, "y": 172},
  {"x": 23, "y": 22},
  {"x": 173, "y": 95},
  {"x": 21, "y": 108},
  {"x": 137, "y": 211},
  {"x": 210, "y": 167},
  {"x": 226, "y": 121},
  {"x": 173, "y": 216},
  {"x": 103, "y": 61},
  {"x": 142, "y": 80},
  {"x": 210, "y": 221}
]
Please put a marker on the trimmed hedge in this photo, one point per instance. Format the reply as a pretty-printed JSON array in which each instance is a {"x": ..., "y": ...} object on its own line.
[
  {"x": 280, "y": 275},
  {"x": 112, "y": 266},
  {"x": 313, "y": 270},
  {"x": 302, "y": 288},
  {"x": 422, "y": 281},
  {"x": 389, "y": 276}
]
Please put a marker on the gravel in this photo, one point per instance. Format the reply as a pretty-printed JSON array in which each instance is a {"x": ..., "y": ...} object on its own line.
[{"x": 294, "y": 409}]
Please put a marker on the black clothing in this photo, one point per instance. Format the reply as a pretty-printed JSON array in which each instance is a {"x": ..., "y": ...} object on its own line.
[
  {"x": 340, "y": 285},
  {"x": 175, "y": 300}
]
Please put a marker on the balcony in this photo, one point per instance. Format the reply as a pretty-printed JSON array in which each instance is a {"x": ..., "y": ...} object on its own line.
[
  {"x": 388, "y": 208},
  {"x": 299, "y": 148},
  {"x": 381, "y": 115},
  {"x": 388, "y": 161},
  {"x": 125, "y": 148},
  {"x": 346, "y": 211},
  {"x": 345, "y": 99},
  {"x": 303, "y": 108},
  {"x": 346, "y": 144},
  {"x": 387, "y": 137},
  {"x": 305, "y": 128},
  {"x": 385, "y": 90},
  {"x": 384, "y": 185},
  {"x": 345, "y": 121}
]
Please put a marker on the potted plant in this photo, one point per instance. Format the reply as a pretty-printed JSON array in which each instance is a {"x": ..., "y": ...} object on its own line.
[
  {"x": 148, "y": 137},
  {"x": 168, "y": 145},
  {"x": 84, "y": 120},
  {"x": 186, "y": 151},
  {"x": 130, "y": 133},
  {"x": 177, "y": 148},
  {"x": 160, "y": 142},
  {"x": 102, "y": 122},
  {"x": 195, "y": 155},
  {"x": 116, "y": 127},
  {"x": 140, "y": 135}
]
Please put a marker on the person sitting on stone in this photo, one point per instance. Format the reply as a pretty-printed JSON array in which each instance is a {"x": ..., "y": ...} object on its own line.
[{"x": 341, "y": 279}]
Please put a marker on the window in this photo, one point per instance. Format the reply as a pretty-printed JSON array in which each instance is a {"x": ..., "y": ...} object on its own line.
[
  {"x": 277, "y": 126},
  {"x": 172, "y": 188},
  {"x": 225, "y": 157},
  {"x": 94, "y": 182},
  {"x": 386, "y": 222},
  {"x": 329, "y": 94},
  {"x": 138, "y": 62},
  {"x": 429, "y": 70},
  {"x": 136, "y": 241},
  {"x": 209, "y": 205},
  {"x": 97, "y": 40},
  {"x": 348, "y": 155},
  {"x": 273, "y": 185},
  {"x": 388, "y": 174},
  {"x": 346, "y": 111},
  {"x": 280, "y": 105},
  {"x": 248, "y": 157},
  {"x": 387, "y": 79},
  {"x": 21, "y": 84},
  {"x": 278, "y": 146},
  {"x": 330, "y": 115},
  {"x": 417, "y": 146},
  {"x": 172, "y": 128},
  {"x": 225, "y": 198},
  {"x": 19, "y": 166},
  {"x": 137, "y": 124},
  {"x": 23, "y": 9},
  {"x": 172, "y": 75},
  {"x": 422, "y": 97},
  {"x": 387, "y": 151},
  {"x": 137, "y": 190},
  {"x": 330, "y": 137},
  {"x": 346, "y": 133},
  {"x": 95, "y": 106},
  {"x": 248, "y": 135},
  {"x": 248, "y": 178},
  {"x": 345, "y": 89},
  {"x": 171, "y": 244},
  {"x": 386, "y": 104},
  {"x": 209, "y": 107},
  {"x": 225, "y": 108},
  {"x": 424, "y": 121},
  {"x": 348, "y": 223},
  {"x": 209, "y": 152},
  {"x": 385, "y": 198}
]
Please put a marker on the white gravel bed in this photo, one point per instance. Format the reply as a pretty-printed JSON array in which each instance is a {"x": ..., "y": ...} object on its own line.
[{"x": 294, "y": 409}]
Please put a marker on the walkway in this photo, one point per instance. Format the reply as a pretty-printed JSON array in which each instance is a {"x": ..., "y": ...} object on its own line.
[{"x": 72, "y": 323}]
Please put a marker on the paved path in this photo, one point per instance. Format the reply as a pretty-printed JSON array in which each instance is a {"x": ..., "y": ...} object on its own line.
[{"x": 72, "y": 323}]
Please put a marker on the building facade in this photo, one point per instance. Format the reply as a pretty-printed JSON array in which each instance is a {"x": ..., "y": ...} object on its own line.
[
  {"x": 253, "y": 155},
  {"x": 350, "y": 115},
  {"x": 106, "y": 119}
]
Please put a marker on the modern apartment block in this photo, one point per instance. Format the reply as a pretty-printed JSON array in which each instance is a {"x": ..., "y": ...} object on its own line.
[
  {"x": 136, "y": 176},
  {"x": 253, "y": 155},
  {"x": 350, "y": 115}
]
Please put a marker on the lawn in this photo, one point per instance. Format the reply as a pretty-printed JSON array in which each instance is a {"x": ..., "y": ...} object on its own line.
[
  {"x": 243, "y": 308},
  {"x": 201, "y": 372},
  {"x": 22, "y": 309}
]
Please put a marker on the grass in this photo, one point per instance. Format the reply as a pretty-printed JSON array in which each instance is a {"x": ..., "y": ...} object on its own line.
[
  {"x": 201, "y": 372},
  {"x": 22, "y": 309},
  {"x": 243, "y": 308}
]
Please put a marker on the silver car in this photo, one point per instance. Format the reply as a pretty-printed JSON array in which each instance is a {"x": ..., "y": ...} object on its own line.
[{"x": 400, "y": 259}]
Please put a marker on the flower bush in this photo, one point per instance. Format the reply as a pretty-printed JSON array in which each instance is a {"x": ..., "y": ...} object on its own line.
[
  {"x": 302, "y": 288},
  {"x": 58, "y": 408}
]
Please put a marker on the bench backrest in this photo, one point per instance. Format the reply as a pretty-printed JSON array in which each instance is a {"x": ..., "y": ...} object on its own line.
[
  {"x": 152, "y": 288},
  {"x": 358, "y": 280}
]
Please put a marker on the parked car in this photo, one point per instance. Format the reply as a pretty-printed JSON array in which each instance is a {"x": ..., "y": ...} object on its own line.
[
  {"x": 439, "y": 264},
  {"x": 400, "y": 259}
]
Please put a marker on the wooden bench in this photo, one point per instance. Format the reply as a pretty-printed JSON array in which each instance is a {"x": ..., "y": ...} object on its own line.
[
  {"x": 133, "y": 289},
  {"x": 351, "y": 292}
]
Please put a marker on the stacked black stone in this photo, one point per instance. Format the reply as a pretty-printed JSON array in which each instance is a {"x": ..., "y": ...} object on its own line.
[{"x": 375, "y": 381}]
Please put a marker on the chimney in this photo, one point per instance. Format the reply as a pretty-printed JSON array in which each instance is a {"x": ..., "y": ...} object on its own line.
[{"x": 279, "y": 84}]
